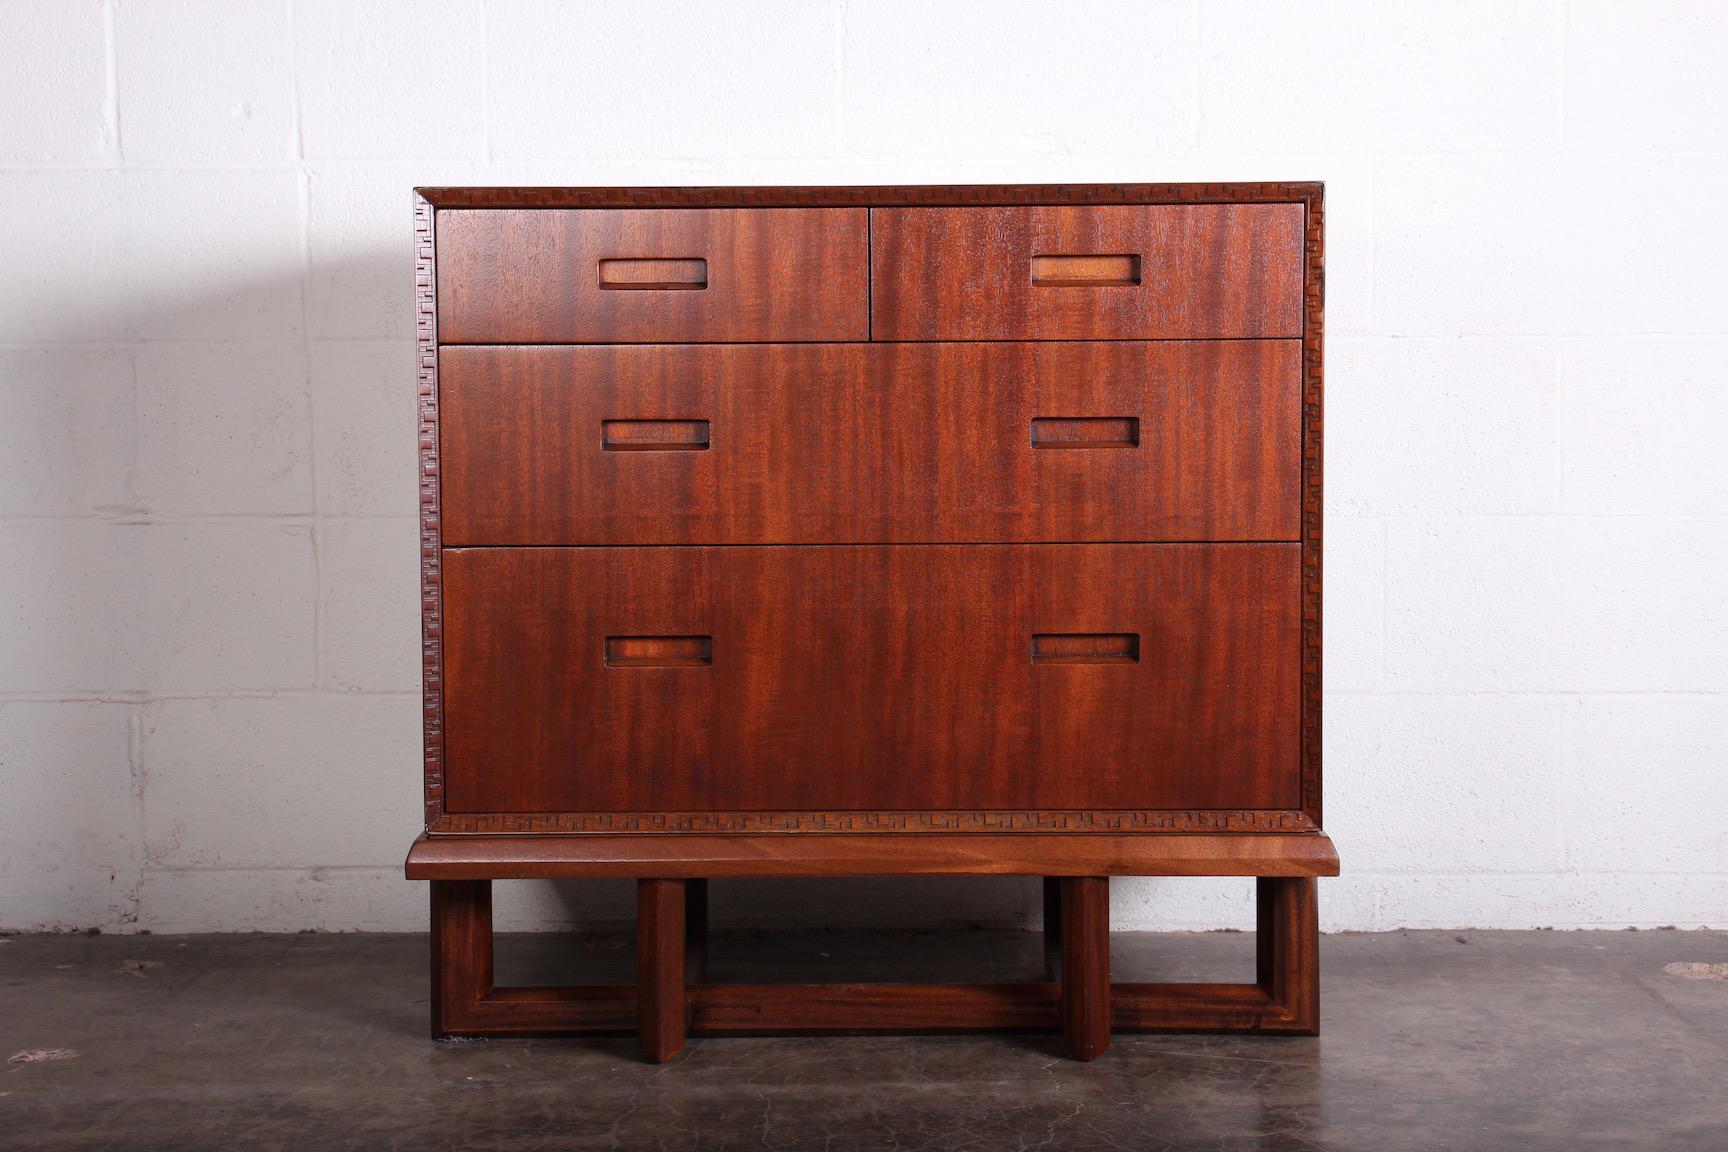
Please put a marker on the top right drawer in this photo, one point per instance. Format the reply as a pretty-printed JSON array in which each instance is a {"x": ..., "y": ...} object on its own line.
[{"x": 1106, "y": 272}]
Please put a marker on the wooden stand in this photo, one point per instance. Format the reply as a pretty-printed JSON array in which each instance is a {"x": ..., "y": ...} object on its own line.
[{"x": 672, "y": 999}]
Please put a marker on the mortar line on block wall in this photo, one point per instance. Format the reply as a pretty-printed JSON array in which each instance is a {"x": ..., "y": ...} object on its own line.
[
  {"x": 1567, "y": 873},
  {"x": 142, "y": 167},
  {"x": 304, "y": 195},
  {"x": 485, "y": 82},
  {"x": 369, "y": 517},
  {"x": 294, "y": 84},
  {"x": 1451, "y": 517},
  {"x": 1196, "y": 11},
  {"x": 111, "y": 97},
  {"x": 1372, "y": 227},
  {"x": 1385, "y": 658},
  {"x": 1557, "y": 338},
  {"x": 392, "y": 870},
  {"x": 841, "y": 15},
  {"x": 1534, "y": 693},
  {"x": 146, "y": 520},
  {"x": 1561, "y": 742},
  {"x": 982, "y": 165},
  {"x": 144, "y": 696},
  {"x": 1559, "y": 429},
  {"x": 132, "y": 481},
  {"x": 143, "y": 344},
  {"x": 139, "y": 777},
  {"x": 1373, "y": 237},
  {"x": 171, "y": 167},
  {"x": 1561, "y": 109},
  {"x": 317, "y": 537},
  {"x": 1594, "y": 337}
]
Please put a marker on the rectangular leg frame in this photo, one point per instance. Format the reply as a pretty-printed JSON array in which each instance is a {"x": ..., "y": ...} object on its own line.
[{"x": 672, "y": 1000}]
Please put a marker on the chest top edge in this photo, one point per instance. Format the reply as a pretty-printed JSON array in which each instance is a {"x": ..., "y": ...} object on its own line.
[{"x": 1309, "y": 192}]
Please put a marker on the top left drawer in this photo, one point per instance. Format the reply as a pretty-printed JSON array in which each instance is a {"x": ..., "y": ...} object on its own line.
[{"x": 652, "y": 276}]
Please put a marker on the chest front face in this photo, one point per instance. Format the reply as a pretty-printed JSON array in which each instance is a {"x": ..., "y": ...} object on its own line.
[{"x": 871, "y": 509}]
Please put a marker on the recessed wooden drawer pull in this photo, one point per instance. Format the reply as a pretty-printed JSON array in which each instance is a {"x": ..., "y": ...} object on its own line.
[
  {"x": 1086, "y": 648},
  {"x": 654, "y": 273},
  {"x": 1086, "y": 432},
  {"x": 659, "y": 651},
  {"x": 654, "y": 435},
  {"x": 1085, "y": 271}
]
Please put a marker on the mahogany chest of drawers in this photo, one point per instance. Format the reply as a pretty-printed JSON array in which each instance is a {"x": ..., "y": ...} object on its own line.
[{"x": 855, "y": 531}]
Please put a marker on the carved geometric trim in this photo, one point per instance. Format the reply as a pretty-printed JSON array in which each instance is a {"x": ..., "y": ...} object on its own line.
[
  {"x": 431, "y": 533},
  {"x": 1313, "y": 504},
  {"x": 913, "y": 820}
]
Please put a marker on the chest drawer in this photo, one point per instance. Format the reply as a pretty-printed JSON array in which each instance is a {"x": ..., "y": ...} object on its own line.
[
  {"x": 946, "y": 677},
  {"x": 1103, "y": 272},
  {"x": 858, "y": 443},
  {"x": 542, "y": 276}
]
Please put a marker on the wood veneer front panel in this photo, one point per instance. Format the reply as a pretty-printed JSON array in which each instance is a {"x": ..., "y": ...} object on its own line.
[
  {"x": 1096, "y": 853},
  {"x": 871, "y": 677},
  {"x": 652, "y": 275},
  {"x": 1097, "y": 272},
  {"x": 859, "y": 443}
]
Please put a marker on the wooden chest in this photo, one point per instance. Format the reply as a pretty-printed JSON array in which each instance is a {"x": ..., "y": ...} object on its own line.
[{"x": 871, "y": 530}]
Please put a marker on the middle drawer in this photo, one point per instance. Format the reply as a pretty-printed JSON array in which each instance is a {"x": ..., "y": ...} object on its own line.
[{"x": 861, "y": 443}]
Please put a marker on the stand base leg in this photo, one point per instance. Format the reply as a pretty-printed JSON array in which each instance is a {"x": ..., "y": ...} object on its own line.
[
  {"x": 1287, "y": 948},
  {"x": 672, "y": 999},
  {"x": 1085, "y": 962},
  {"x": 461, "y": 953},
  {"x": 660, "y": 992}
]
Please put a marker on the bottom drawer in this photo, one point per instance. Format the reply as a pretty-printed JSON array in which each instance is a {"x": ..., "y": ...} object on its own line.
[{"x": 1052, "y": 676}]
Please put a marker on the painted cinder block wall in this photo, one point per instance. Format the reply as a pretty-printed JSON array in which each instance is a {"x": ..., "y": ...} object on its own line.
[{"x": 208, "y": 616}]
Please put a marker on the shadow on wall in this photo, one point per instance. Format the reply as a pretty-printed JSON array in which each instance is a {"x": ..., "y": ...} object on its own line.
[
  {"x": 163, "y": 709},
  {"x": 211, "y": 584}
]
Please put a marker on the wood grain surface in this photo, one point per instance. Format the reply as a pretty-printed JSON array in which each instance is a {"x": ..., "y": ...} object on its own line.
[
  {"x": 1085, "y": 967},
  {"x": 535, "y": 277},
  {"x": 1050, "y": 854},
  {"x": 872, "y": 677},
  {"x": 1211, "y": 271},
  {"x": 664, "y": 1012},
  {"x": 860, "y": 443}
]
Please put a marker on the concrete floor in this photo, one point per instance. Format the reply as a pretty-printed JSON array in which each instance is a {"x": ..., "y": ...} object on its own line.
[{"x": 1432, "y": 1040}]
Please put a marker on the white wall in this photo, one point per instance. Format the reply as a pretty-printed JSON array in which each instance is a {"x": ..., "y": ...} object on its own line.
[{"x": 208, "y": 630}]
